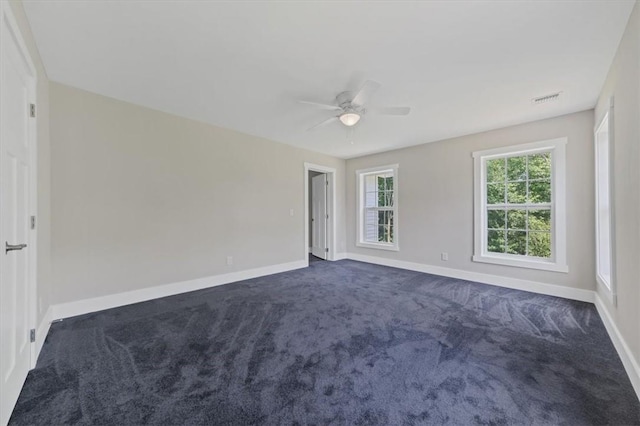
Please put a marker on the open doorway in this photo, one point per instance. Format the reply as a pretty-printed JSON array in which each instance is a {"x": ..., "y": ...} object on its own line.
[
  {"x": 320, "y": 213},
  {"x": 318, "y": 216}
]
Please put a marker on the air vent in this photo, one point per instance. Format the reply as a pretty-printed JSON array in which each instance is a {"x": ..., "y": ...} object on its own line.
[{"x": 546, "y": 98}]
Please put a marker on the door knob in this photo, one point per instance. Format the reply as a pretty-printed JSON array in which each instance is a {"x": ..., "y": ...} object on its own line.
[{"x": 11, "y": 247}]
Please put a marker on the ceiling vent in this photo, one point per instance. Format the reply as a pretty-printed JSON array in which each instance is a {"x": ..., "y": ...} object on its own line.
[{"x": 546, "y": 98}]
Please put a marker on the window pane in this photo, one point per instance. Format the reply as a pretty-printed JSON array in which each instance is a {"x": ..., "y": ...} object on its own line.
[
  {"x": 540, "y": 220},
  {"x": 371, "y": 199},
  {"x": 385, "y": 226},
  {"x": 540, "y": 166},
  {"x": 385, "y": 198},
  {"x": 385, "y": 217},
  {"x": 389, "y": 183},
  {"x": 540, "y": 191},
  {"x": 518, "y": 204},
  {"x": 377, "y": 203},
  {"x": 370, "y": 183},
  {"x": 495, "y": 193},
  {"x": 603, "y": 205},
  {"x": 385, "y": 234},
  {"x": 496, "y": 170},
  {"x": 495, "y": 219},
  {"x": 540, "y": 244},
  {"x": 385, "y": 182},
  {"x": 517, "y": 219},
  {"x": 517, "y": 192},
  {"x": 517, "y": 168},
  {"x": 370, "y": 217},
  {"x": 381, "y": 233},
  {"x": 389, "y": 198},
  {"x": 371, "y": 233},
  {"x": 517, "y": 242},
  {"x": 495, "y": 242}
]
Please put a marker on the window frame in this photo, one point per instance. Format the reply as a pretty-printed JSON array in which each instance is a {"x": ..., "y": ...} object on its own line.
[
  {"x": 558, "y": 260},
  {"x": 609, "y": 288},
  {"x": 360, "y": 181}
]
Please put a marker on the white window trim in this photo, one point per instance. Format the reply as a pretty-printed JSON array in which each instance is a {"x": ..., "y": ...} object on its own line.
[
  {"x": 608, "y": 290},
  {"x": 558, "y": 262},
  {"x": 360, "y": 242}
]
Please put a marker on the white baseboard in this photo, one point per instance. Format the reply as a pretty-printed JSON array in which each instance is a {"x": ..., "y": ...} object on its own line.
[
  {"x": 626, "y": 356},
  {"x": 41, "y": 335},
  {"x": 80, "y": 307},
  {"x": 515, "y": 283},
  {"x": 85, "y": 306}
]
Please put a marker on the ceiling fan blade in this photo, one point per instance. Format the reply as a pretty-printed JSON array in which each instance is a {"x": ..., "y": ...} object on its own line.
[
  {"x": 322, "y": 123},
  {"x": 368, "y": 88},
  {"x": 323, "y": 106},
  {"x": 389, "y": 110}
]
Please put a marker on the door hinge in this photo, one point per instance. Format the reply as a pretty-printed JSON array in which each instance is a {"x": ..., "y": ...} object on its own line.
[
  {"x": 327, "y": 216},
  {"x": 32, "y": 335},
  {"x": 33, "y": 222},
  {"x": 32, "y": 110},
  {"x": 326, "y": 250}
]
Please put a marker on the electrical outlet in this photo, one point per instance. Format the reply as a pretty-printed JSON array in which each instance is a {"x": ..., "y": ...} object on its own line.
[
  {"x": 229, "y": 260},
  {"x": 444, "y": 256}
]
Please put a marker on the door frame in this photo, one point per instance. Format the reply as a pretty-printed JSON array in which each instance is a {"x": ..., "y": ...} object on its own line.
[
  {"x": 8, "y": 19},
  {"x": 331, "y": 208}
]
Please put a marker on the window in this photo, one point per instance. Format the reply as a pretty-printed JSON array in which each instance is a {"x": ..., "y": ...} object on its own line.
[
  {"x": 520, "y": 206},
  {"x": 378, "y": 207},
  {"x": 603, "y": 207}
]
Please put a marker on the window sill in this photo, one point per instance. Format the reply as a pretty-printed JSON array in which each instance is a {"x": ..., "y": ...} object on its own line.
[
  {"x": 390, "y": 247},
  {"x": 522, "y": 263}
]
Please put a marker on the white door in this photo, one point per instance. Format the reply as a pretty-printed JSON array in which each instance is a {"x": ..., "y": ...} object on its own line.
[
  {"x": 319, "y": 216},
  {"x": 15, "y": 294}
]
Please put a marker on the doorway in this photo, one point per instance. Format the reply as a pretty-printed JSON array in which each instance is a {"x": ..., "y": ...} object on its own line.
[
  {"x": 318, "y": 216},
  {"x": 17, "y": 207},
  {"x": 319, "y": 212}
]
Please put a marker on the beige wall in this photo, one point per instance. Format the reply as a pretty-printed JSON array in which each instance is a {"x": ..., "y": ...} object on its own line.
[
  {"x": 436, "y": 199},
  {"x": 44, "y": 165},
  {"x": 623, "y": 84},
  {"x": 143, "y": 198}
]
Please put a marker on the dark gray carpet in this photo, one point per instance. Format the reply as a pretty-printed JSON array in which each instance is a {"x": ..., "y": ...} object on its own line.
[{"x": 340, "y": 343}]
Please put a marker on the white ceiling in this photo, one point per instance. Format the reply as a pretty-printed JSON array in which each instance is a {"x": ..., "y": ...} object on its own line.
[{"x": 463, "y": 66}]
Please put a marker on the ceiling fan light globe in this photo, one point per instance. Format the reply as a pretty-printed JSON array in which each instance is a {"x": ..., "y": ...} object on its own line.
[{"x": 350, "y": 118}]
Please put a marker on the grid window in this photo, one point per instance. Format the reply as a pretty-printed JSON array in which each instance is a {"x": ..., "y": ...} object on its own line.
[
  {"x": 519, "y": 206},
  {"x": 378, "y": 208},
  {"x": 604, "y": 244}
]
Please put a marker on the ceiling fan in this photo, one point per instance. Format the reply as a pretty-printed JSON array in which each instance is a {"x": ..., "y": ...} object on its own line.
[{"x": 351, "y": 106}]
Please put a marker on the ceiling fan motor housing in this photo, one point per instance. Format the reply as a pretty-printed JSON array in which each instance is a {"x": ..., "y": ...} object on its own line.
[{"x": 344, "y": 101}]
